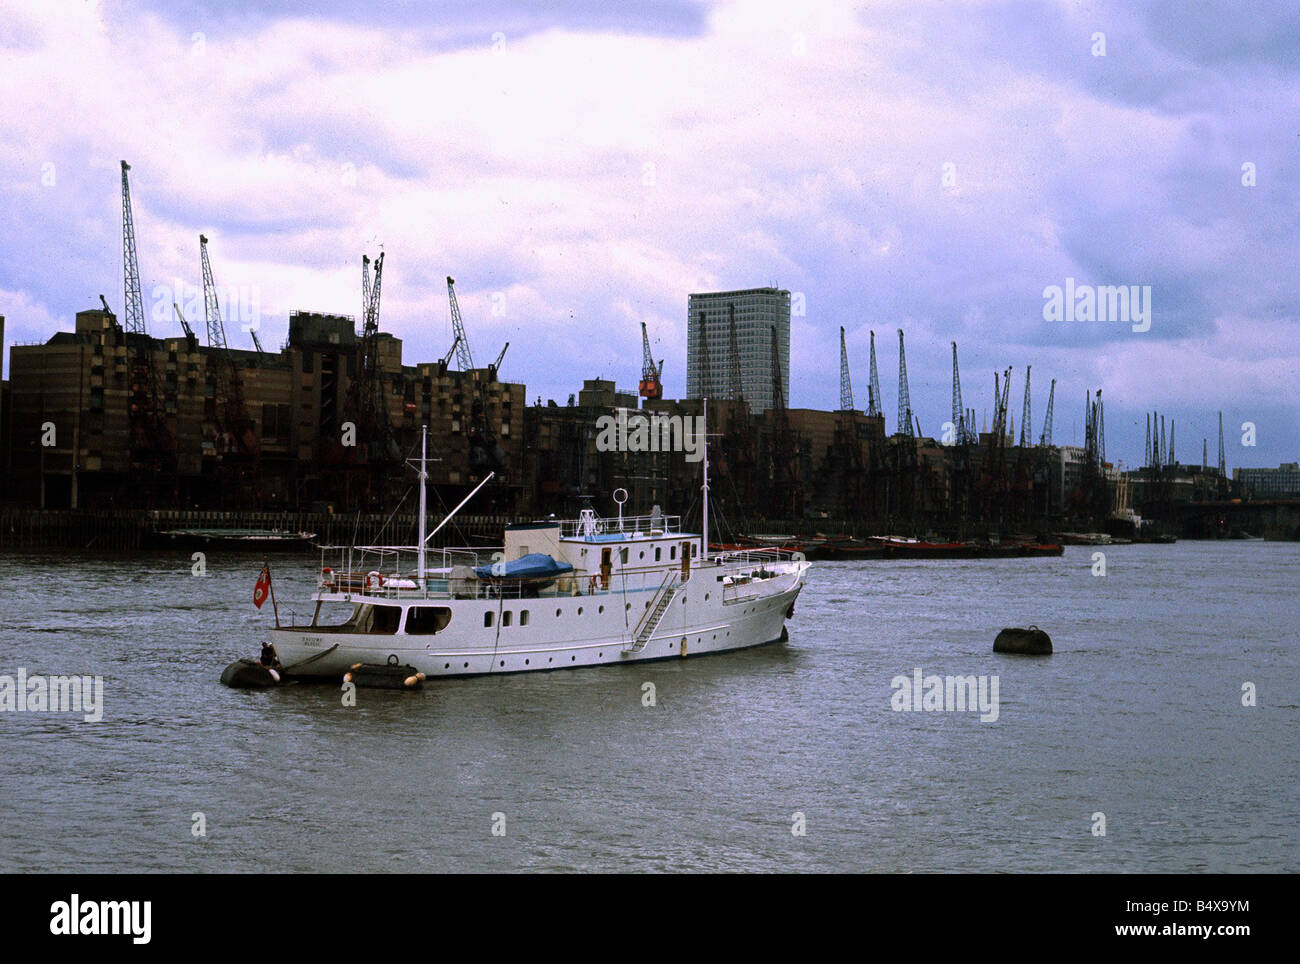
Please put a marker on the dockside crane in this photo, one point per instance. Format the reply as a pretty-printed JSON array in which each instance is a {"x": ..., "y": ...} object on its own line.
[
  {"x": 651, "y": 385},
  {"x": 190, "y": 338},
  {"x": 905, "y": 426},
  {"x": 152, "y": 447},
  {"x": 962, "y": 428},
  {"x": 1026, "y": 415},
  {"x": 464, "y": 358},
  {"x": 873, "y": 386},
  {"x": 365, "y": 404},
  {"x": 230, "y": 415},
  {"x": 993, "y": 481},
  {"x": 846, "y": 384},
  {"x": 446, "y": 359},
  {"x": 1223, "y": 461},
  {"x": 1045, "y": 439},
  {"x": 963, "y": 475},
  {"x": 733, "y": 346},
  {"x": 702, "y": 357},
  {"x": 496, "y": 365}
]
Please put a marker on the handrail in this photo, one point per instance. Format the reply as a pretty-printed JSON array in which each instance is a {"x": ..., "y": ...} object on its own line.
[
  {"x": 654, "y": 603},
  {"x": 666, "y": 524}
]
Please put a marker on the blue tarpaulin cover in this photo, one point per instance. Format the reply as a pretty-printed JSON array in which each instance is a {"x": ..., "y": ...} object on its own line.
[{"x": 532, "y": 566}]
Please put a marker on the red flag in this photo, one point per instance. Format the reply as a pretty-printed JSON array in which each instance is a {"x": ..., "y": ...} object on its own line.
[{"x": 263, "y": 587}]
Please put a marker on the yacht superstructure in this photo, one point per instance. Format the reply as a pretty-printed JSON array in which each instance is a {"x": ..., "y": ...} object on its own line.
[{"x": 558, "y": 594}]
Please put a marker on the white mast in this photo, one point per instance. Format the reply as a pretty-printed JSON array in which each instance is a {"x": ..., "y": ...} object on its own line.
[
  {"x": 704, "y": 554},
  {"x": 424, "y": 475}
]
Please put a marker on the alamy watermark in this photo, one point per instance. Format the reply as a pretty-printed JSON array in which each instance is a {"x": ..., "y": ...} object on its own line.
[
  {"x": 949, "y": 694},
  {"x": 53, "y": 694},
  {"x": 656, "y": 432},
  {"x": 240, "y": 304},
  {"x": 1127, "y": 304},
  {"x": 129, "y": 918}
]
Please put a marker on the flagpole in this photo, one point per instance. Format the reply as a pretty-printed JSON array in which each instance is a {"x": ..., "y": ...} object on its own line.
[{"x": 270, "y": 583}]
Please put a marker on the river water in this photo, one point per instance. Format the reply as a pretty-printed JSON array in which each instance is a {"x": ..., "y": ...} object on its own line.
[{"x": 1137, "y": 716}]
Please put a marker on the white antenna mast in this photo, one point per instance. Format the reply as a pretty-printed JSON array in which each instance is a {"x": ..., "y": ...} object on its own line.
[{"x": 704, "y": 554}]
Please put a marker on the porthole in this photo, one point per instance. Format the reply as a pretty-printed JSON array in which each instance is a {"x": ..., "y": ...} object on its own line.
[
  {"x": 467, "y": 665},
  {"x": 525, "y": 662},
  {"x": 503, "y": 662},
  {"x": 557, "y": 613},
  {"x": 446, "y": 665},
  {"x": 572, "y": 658},
  {"x": 600, "y": 610},
  {"x": 523, "y": 618},
  {"x": 487, "y": 620},
  {"x": 579, "y": 610}
]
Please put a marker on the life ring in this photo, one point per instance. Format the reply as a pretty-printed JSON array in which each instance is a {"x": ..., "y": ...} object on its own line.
[{"x": 374, "y": 579}]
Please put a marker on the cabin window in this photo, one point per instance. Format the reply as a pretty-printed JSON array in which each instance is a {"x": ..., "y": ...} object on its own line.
[
  {"x": 523, "y": 617},
  {"x": 672, "y": 552},
  {"x": 336, "y": 616},
  {"x": 382, "y": 620},
  {"x": 487, "y": 619},
  {"x": 427, "y": 620},
  {"x": 659, "y": 553},
  {"x": 505, "y": 618}
]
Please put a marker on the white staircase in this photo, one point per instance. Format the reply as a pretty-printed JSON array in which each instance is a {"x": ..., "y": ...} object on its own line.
[{"x": 650, "y": 621}]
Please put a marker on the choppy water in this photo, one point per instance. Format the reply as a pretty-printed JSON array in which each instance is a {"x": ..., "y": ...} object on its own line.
[{"x": 1138, "y": 716}]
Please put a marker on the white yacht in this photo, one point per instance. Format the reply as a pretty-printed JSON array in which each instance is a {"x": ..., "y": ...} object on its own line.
[{"x": 559, "y": 594}]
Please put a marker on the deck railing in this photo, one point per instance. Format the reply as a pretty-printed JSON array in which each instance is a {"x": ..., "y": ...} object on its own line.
[{"x": 645, "y": 524}]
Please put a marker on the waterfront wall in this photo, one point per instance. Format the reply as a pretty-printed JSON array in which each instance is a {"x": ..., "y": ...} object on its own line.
[{"x": 24, "y": 528}]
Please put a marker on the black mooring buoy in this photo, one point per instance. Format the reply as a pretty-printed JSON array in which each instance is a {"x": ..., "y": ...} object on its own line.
[
  {"x": 1024, "y": 642},
  {"x": 245, "y": 674}
]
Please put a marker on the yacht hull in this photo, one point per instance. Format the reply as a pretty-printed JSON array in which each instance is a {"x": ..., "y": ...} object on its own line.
[{"x": 556, "y": 632}]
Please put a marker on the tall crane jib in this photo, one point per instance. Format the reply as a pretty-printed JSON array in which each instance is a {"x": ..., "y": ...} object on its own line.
[
  {"x": 235, "y": 428},
  {"x": 1026, "y": 415},
  {"x": 702, "y": 355},
  {"x": 152, "y": 448},
  {"x": 651, "y": 386},
  {"x": 846, "y": 383},
  {"x": 737, "y": 388},
  {"x": 873, "y": 389},
  {"x": 959, "y": 429},
  {"x": 1045, "y": 439},
  {"x": 905, "y": 424},
  {"x": 464, "y": 358}
]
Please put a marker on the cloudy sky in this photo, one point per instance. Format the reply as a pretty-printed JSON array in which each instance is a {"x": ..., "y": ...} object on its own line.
[{"x": 926, "y": 165}]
